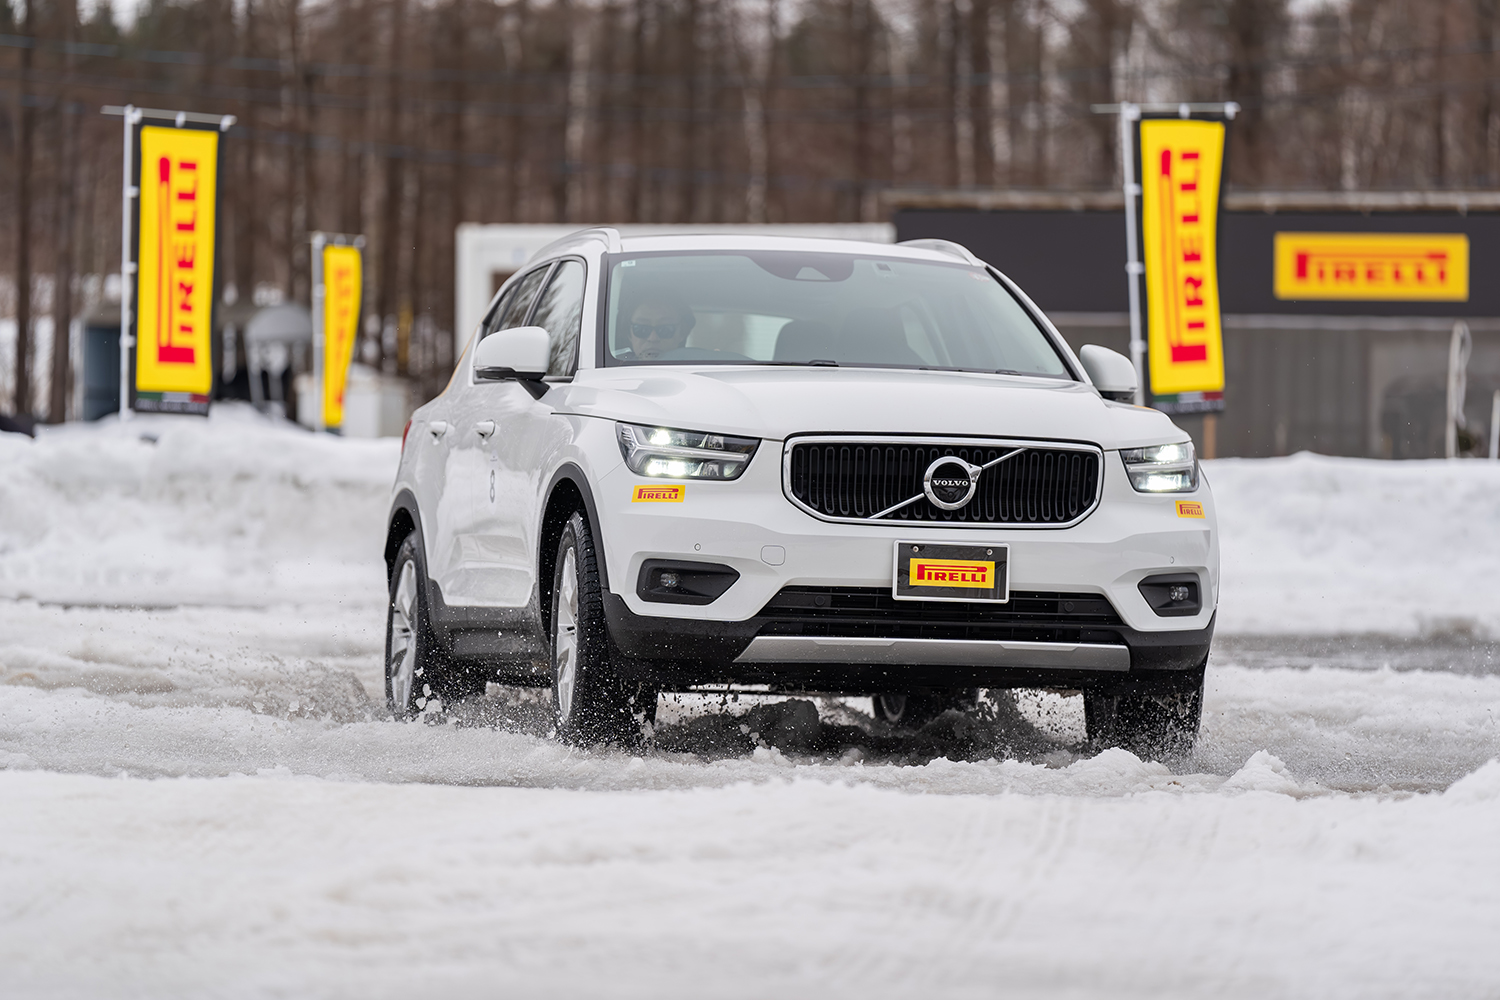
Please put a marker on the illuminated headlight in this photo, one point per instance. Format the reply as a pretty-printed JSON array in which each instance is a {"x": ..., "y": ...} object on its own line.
[
  {"x": 1164, "y": 468},
  {"x": 674, "y": 454}
]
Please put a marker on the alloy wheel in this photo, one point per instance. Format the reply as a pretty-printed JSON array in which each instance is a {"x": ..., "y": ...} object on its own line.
[
  {"x": 401, "y": 667},
  {"x": 566, "y": 643}
]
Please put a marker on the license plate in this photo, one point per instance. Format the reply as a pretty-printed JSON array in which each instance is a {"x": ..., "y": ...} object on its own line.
[{"x": 928, "y": 572}]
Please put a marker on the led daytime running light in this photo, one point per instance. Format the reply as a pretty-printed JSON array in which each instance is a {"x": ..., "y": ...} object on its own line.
[
  {"x": 668, "y": 453},
  {"x": 1162, "y": 468}
]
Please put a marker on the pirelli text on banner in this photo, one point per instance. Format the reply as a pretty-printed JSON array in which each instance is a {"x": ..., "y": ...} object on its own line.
[
  {"x": 175, "y": 268},
  {"x": 1181, "y": 168},
  {"x": 342, "y": 278}
]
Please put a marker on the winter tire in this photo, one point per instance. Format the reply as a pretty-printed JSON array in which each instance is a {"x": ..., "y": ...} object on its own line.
[
  {"x": 914, "y": 709},
  {"x": 1155, "y": 718},
  {"x": 414, "y": 664},
  {"x": 591, "y": 704}
]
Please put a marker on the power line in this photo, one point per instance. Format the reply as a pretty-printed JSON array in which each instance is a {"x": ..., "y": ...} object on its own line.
[{"x": 330, "y": 70}]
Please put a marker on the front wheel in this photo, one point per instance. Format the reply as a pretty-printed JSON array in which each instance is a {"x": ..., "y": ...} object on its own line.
[
  {"x": 413, "y": 658},
  {"x": 591, "y": 704},
  {"x": 1154, "y": 717}
]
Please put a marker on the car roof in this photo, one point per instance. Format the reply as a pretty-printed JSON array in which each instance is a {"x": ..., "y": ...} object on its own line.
[
  {"x": 757, "y": 241},
  {"x": 935, "y": 251}
]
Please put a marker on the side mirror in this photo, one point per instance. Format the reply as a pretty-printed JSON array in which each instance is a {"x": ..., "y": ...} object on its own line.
[
  {"x": 1111, "y": 372},
  {"x": 520, "y": 353}
]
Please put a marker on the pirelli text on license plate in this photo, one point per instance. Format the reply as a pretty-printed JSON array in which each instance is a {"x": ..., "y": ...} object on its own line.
[{"x": 929, "y": 572}]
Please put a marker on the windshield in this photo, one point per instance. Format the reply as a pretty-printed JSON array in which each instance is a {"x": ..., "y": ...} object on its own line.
[{"x": 784, "y": 307}]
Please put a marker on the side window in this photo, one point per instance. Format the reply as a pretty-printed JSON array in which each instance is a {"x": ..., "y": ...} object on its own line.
[
  {"x": 492, "y": 319},
  {"x": 512, "y": 309},
  {"x": 560, "y": 312}
]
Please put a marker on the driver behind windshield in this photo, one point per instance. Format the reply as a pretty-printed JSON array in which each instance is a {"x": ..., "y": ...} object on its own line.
[{"x": 657, "y": 322}]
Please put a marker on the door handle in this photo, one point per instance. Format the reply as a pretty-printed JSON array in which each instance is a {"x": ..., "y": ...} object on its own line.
[
  {"x": 485, "y": 428},
  {"x": 438, "y": 428}
]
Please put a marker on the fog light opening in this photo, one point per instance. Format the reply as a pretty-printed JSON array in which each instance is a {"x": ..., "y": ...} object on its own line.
[
  {"x": 1173, "y": 594},
  {"x": 680, "y": 581}
]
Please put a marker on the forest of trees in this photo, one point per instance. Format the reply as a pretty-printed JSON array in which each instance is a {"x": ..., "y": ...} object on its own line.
[{"x": 400, "y": 119}]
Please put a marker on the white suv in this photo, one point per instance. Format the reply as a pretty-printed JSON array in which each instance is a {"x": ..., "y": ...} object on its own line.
[{"x": 812, "y": 465}]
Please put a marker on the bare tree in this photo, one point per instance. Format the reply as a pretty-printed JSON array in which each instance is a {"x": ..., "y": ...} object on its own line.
[
  {"x": 404, "y": 118},
  {"x": 1253, "y": 33},
  {"x": 388, "y": 234},
  {"x": 65, "y": 134},
  {"x": 25, "y": 133}
]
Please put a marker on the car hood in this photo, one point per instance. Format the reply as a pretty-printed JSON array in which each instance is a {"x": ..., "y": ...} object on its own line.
[{"x": 777, "y": 402}]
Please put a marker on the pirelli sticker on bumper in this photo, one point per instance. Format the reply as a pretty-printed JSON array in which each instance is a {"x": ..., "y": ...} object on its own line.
[
  {"x": 927, "y": 572},
  {"x": 974, "y": 573},
  {"x": 658, "y": 494},
  {"x": 1189, "y": 508}
]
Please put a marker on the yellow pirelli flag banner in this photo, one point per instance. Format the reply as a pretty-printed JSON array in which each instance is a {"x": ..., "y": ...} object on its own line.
[
  {"x": 342, "y": 275},
  {"x": 175, "y": 261},
  {"x": 1181, "y": 165},
  {"x": 1373, "y": 267}
]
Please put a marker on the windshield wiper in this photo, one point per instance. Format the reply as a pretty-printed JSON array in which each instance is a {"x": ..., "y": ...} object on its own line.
[{"x": 982, "y": 371}]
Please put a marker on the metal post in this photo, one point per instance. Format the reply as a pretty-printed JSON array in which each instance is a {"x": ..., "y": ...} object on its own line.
[
  {"x": 1129, "y": 114},
  {"x": 319, "y": 295},
  {"x": 128, "y": 192},
  {"x": 1459, "y": 347},
  {"x": 1495, "y": 426}
]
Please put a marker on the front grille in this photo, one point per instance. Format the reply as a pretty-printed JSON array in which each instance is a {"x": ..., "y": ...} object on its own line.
[
  {"x": 868, "y": 612},
  {"x": 854, "y": 479}
]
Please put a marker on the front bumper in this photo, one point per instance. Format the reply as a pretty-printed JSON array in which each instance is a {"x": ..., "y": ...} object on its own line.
[
  {"x": 854, "y": 641},
  {"x": 750, "y": 526}
]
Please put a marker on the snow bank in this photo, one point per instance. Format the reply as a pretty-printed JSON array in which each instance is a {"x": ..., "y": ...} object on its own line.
[
  {"x": 1317, "y": 545},
  {"x": 233, "y": 510}
]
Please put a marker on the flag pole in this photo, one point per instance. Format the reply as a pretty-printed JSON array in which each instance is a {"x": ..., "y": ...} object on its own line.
[
  {"x": 1129, "y": 114},
  {"x": 319, "y": 296},
  {"x": 128, "y": 193}
]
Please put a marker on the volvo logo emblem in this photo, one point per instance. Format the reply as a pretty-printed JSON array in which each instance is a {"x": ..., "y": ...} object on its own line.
[{"x": 951, "y": 482}]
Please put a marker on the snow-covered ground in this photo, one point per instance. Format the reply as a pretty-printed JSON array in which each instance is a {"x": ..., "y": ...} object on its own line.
[
  {"x": 1316, "y": 545},
  {"x": 199, "y": 603}
]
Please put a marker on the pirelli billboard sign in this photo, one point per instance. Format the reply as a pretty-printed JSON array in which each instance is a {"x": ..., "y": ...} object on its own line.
[
  {"x": 1372, "y": 267},
  {"x": 177, "y": 181}
]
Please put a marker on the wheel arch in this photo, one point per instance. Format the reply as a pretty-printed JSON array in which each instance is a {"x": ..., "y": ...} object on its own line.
[
  {"x": 403, "y": 520},
  {"x": 567, "y": 492}
]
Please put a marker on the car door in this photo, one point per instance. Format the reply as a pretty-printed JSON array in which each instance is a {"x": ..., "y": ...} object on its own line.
[
  {"x": 432, "y": 440},
  {"x": 525, "y": 434},
  {"x": 468, "y": 568}
]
